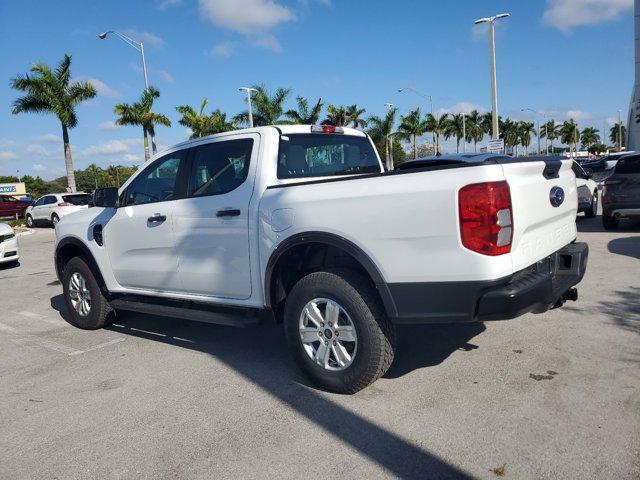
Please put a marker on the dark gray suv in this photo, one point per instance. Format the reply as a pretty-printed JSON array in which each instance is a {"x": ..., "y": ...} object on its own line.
[{"x": 621, "y": 192}]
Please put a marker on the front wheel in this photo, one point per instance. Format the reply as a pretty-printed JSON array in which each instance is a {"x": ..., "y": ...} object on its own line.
[
  {"x": 87, "y": 306},
  {"x": 337, "y": 330},
  {"x": 592, "y": 211},
  {"x": 30, "y": 222}
]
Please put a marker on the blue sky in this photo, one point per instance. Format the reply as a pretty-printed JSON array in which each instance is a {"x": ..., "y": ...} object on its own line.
[{"x": 567, "y": 58}]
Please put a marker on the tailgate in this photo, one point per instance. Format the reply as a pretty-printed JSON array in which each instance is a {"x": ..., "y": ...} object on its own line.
[{"x": 540, "y": 228}]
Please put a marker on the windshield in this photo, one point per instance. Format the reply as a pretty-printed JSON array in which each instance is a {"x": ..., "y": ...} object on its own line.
[
  {"x": 78, "y": 199},
  {"x": 322, "y": 154}
]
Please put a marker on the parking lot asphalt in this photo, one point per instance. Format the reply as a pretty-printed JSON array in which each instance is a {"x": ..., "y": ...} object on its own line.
[{"x": 555, "y": 395}]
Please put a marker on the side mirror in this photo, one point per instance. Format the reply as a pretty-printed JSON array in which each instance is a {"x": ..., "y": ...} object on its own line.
[{"x": 106, "y": 197}]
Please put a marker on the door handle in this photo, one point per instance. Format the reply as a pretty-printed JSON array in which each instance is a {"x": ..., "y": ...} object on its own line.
[
  {"x": 231, "y": 212},
  {"x": 156, "y": 218}
]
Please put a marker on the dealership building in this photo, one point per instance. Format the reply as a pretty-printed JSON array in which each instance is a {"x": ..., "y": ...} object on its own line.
[{"x": 16, "y": 190}]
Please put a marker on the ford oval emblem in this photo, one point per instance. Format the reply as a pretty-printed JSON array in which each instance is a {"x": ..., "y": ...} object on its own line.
[{"x": 556, "y": 196}]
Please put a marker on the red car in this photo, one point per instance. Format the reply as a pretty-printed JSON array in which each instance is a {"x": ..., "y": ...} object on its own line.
[{"x": 9, "y": 206}]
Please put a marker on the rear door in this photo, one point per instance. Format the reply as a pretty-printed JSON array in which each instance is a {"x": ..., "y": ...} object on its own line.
[
  {"x": 623, "y": 187},
  {"x": 545, "y": 203},
  {"x": 211, "y": 225},
  {"x": 43, "y": 207}
]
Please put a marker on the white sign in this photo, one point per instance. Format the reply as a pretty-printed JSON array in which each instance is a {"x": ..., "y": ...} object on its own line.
[{"x": 495, "y": 146}]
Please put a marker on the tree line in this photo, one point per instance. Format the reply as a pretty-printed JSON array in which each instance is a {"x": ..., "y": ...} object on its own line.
[{"x": 49, "y": 90}]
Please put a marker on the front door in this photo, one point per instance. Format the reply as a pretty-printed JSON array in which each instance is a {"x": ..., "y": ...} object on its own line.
[
  {"x": 212, "y": 223},
  {"x": 43, "y": 208},
  {"x": 139, "y": 237}
]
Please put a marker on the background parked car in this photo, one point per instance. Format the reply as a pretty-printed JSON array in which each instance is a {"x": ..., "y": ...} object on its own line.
[
  {"x": 9, "y": 253},
  {"x": 51, "y": 208},
  {"x": 587, "y": 191},
  {"x": 621, "y": 192},
  {"x": 9, "y": 206}
]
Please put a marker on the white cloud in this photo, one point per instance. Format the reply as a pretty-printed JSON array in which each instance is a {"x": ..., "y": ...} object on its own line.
[
  {"x": 49, "y": 138},
  {"x": 131, "y": 158},
  {"x": 268, "y": 42},
  {"x": 568, "y": 14},
  {"x": 41, "y": 151},
  {"x": 6, "y": 143},
  {"x": 145, "y": 37},
  {"x": 166, "y": 76},
  {"x": 462, "y": 107},
  {"x": 222, "y": 50},
  {"x": 164, "y": 4},
  {"x": 38, "y": 167},
  {"x": 111, "y": 147},
  {"x": 102, "y": 88},
  {"x": 245, "y": 16},
  {"x": 7, "y": 155},
  {"x": 109, "y": 126}
]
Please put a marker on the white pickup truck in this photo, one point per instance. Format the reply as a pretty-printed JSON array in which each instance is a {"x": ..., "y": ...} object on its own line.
[{"x": 304, "y": 223}]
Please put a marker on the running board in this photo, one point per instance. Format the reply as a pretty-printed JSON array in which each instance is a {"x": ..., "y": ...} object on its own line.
[{"x": 233, "y": 317}]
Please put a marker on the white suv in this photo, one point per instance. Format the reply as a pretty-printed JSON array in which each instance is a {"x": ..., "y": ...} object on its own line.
[{"x": 51, "y": 208}]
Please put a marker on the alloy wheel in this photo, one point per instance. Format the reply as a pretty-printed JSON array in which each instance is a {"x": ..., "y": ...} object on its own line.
[{"x": 79, "y": 294}]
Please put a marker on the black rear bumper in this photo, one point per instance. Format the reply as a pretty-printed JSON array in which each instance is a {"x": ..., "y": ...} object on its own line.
[{"x": 534, "y": 289}]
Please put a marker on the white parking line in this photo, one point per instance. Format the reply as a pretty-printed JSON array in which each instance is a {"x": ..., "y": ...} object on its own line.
[{"x": 101, "y": 345}]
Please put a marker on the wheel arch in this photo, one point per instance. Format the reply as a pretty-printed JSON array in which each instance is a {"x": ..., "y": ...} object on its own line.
[
  {"x": 324, "y": 239},
  {"x": 71, "y": 247}
]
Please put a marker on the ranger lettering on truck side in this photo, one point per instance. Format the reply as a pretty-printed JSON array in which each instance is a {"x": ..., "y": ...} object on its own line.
[{"x": 303, "y": 222}]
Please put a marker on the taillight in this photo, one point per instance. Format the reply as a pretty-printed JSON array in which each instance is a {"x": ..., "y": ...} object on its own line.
[
  {"x": 486, "y": 217},
  {"x": 65, "y": 204},
  {"x": 608, "y": 182}
]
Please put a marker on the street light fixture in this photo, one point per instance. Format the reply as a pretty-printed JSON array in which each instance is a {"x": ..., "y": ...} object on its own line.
[
  {"x": 425, "y": 96},
  {"x": 139, "y": 46},
  {"x": 248, "y": 90},
  {"x": 492, "y": 58}
]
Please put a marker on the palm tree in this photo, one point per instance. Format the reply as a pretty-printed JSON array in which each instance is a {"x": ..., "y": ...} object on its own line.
[
  {"x": 589, "y": 136},
  {"x": 455, "y": 128},
  {"x": 614, "y": 135},
  {"x": 355, "y": 116},
  {"x": 550, "y": 131},
  {"x": 438, "y": 125},
  {"x": 337, "y": 116},
  {"x": 524, "y": 132},
  {"x": 48, "y": 91},
  {"x": 411, "y": 127},
  {"x": 475, "y": 129},
  {"x": 139, "y": 113},
  {"x": 487, "y": 123},
  {"x": 569, "y": 134},
  {"x": 268, "y": 109},
  {"x": 381, "y": 130},
  {"x": 202, "y": 124},
  {"x": 304, "y": 115},
  {"x": 509, "y": 133}
]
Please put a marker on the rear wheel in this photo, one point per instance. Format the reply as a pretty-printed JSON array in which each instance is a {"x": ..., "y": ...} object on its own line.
[
  {"x": 609, "y": 222},
  {"x": 30, "y": 222},
  {"x": 337, "y": 330},
  {"x": 592, "y": 211},
  {"x": 54, "y": 219},
  {"x": 87, "y": 306}
]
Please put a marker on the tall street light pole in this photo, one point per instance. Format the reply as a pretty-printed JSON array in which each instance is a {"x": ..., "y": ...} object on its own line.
[
  {"x": 389, "y": 140},
  {"x": 539, "y": 114},
  {"x": 248, "y": 90},
  {"x": 492, "y": 58},
  {"x": 139, "y": 46},
  {"x": 428, "y": 97},
  {"x": 619, "y": 130}
]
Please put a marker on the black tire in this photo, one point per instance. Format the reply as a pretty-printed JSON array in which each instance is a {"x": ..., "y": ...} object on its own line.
[
  {"x": 375, "y": 333},
  {"x": 54, "y": 219},
  {"x": 592, "y": 211},
  {"x": 609, "y": 222},
  {"x": 30, "y": 222},
  {"x": 100, "y": 310},
  {"x": 13, "y": 264}
]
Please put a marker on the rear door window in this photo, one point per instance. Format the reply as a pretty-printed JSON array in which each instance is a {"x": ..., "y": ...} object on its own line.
[
  {"x": 219, "y": 167},
  {"x": 77, "y": 199},
  {"x": 322, "y": 155},
  {"x": 628, "y": 165}
]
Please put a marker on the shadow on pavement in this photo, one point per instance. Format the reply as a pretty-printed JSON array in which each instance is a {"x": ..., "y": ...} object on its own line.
[
  {"x": 624, "y": 308},
  {"x": 260, "y": 355},
  {"x": 629, "y": 246}
]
